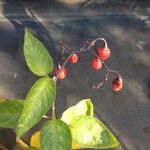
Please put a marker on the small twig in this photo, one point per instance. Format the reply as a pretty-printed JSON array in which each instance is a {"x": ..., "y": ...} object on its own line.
[{"x": 99, "y": 85}]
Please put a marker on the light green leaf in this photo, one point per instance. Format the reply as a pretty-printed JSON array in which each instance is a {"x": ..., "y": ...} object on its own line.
[
  {"x": 84, "y": 107},
  {"x": 37, "y": 103},
  {"x": 10, "y": 111},
  {"x": 37, "y": 57},
  {"x": 88, "y": 132},
  {"x": 55, "y": 135}
]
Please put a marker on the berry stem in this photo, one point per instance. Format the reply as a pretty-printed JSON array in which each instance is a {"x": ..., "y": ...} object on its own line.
[
  {"x": 98, "y": 85},
  {"x": 67, "y": 59},
  {"x": 116, "y": 72},
  {"x": 87, "y": 47},
  {"x": 53, "y": 105},
  {"x": 100, "y": 39},
  {"x": 53, "y": 110},
  {"x": 63, "y": 45}
]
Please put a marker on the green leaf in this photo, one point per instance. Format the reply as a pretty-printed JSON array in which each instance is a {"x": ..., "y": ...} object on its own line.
[
  {"x": 55, "y": 135},
  {"x": 88, "y": 132},
  {"x": 37, "y": 57},
  {"x": 37, "y": 103},
  {"x": 10, "y": 111},
  {"x": 84, "y": 107}
]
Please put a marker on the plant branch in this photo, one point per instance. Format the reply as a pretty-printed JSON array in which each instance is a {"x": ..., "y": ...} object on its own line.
[{"x": 87, "y": 46}]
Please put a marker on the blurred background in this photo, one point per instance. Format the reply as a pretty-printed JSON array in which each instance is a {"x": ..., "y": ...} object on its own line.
[{"x": 125, "y": 24}]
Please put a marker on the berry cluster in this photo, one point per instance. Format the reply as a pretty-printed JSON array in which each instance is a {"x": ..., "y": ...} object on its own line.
[{"x": 100, "y": 56}]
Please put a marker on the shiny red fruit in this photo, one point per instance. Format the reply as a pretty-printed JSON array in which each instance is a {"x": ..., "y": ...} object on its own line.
[
  {"x": 61, "y": 74},
  {"x": 104, "y": 53},
  {"x": 117, "y": 84},
  {"x": 96, "y": 64},
  {"x": 73, "y": 59}
]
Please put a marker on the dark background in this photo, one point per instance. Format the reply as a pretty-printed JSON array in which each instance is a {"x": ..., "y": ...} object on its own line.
[{"x": 126, "y": 27}]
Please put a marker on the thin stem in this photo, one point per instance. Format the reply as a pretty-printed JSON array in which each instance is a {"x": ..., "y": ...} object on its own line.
[
  {"x": 53, "y": 105},
  {"x": 108, "y": 71},
  {"x": 87, "y": 47},
  {"x": 66, "y": 61},
  {"x": 64, "y": 45},
  {"x": 116, "y": 72},
  {"x": 92, "y": 44},
  {"x": 53, "y": 110},
  {"x": 100, "y": 39},
  {"x": 98, "y": 85}
]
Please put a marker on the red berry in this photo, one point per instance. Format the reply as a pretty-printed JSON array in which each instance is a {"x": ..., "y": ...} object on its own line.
[
  {"x": 104, "y": 53},
  {"x": 117, "y": 84},
  {"x": 96, "y": 64},
  {"x": 73, "y": 59},
  {"x": 60, "y": 73}
]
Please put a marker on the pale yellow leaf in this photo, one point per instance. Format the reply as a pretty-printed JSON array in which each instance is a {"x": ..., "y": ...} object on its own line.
[{"x": 35, "y": 140}]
